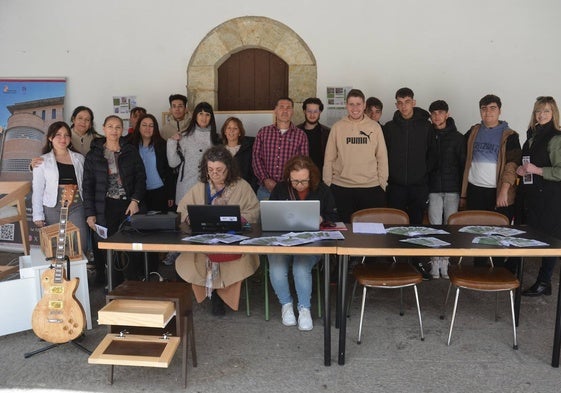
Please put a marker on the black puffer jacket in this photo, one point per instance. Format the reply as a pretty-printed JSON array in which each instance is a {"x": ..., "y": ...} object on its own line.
[
  {"x": 94, "y": 184},
  {"x": 408, "y": 143},
  {"x": 243, "y": 158},
  {"x": 449, "y": 151}
]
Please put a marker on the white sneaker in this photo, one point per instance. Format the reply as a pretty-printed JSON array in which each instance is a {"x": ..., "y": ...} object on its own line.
[
  {"x": 435, "y": 265},
  {"x": 444, "y": 267},
  {"x": 305, "y": 319},
  {"x": 288, "y": 317}
]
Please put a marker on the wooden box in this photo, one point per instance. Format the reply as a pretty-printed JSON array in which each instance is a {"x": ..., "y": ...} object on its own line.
[
  {"x": 48, "y": 237},
  {"x": 135, "y": 350},
  {"x": 130, "y": 312}
]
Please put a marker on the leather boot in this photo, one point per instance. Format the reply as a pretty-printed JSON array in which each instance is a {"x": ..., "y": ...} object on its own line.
[{"x": 539, "y": 288}]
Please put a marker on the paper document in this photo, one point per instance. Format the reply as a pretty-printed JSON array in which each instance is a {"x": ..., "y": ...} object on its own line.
[{"x": 369, "y": 227}]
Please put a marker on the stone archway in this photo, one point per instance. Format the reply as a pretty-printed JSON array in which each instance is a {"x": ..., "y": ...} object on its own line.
[{"x": 251, "y": 32}]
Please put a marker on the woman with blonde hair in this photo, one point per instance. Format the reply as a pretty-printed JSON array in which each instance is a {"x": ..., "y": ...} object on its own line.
[{"x": 541, "y": 182}]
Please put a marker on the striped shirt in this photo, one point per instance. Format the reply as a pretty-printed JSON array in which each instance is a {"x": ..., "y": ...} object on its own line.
[{"x": 272, "y": 149}]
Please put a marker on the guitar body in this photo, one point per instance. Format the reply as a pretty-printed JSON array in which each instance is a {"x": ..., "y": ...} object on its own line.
[{"x": 58, "y": 317}]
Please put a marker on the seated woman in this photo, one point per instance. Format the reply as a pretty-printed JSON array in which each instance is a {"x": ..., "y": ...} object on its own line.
[
  {"x": 218, "y": 276},
  {"x": 59, "y": 165},
  {"x": 301, "y": 181}
]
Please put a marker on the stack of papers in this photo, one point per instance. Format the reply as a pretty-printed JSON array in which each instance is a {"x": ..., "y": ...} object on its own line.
[
  {"x": 294, "y": 238},
  {"x": 491, "y": 230},
  {"x": 507, "y": 241}
]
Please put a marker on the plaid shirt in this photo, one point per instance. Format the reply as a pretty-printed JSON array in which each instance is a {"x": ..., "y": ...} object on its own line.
[{"x": 272, "y": 150}]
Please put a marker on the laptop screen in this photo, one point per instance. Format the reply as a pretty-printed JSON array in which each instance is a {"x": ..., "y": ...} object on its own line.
[
  {"x": 286, "y": 216},
  {"x": 214, "y": 218}
]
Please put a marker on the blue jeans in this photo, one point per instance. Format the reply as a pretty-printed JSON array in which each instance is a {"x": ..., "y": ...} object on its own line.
[
  {"x": 263, "y": 194},
  {"x": 442, "y": 205},
  {"x": 301, "y": 270}
]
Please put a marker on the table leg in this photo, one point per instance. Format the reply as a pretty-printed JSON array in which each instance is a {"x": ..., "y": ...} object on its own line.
[
  {"x": 342, "y": 301},
  {"x": 146, "y": 271},
  {"x": 518, "y": 292},
  {"x": 557, "y": 332},
  {"x": 339, "y": 294},
  {"x": 326, "y": 312},
  {"x": 109, "y": 270}
]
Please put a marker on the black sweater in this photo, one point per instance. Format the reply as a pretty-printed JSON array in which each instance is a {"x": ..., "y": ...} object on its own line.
[{"x": 449, "y": 158}]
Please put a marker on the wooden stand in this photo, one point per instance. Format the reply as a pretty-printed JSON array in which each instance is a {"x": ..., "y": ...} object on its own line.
[
  {"x": 48, "y": 236},
  {"x": 148, "y": 310}
]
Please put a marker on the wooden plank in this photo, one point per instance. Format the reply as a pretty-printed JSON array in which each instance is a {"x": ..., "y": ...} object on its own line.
[
  {"x": 7, "y": 270},
  {"x": 129, "y": 312}
]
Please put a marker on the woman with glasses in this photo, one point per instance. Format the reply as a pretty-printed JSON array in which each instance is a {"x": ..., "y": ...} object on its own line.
[
  {"x": 541, "y": 182},
  {"x": 218, "y": 276},
  {"x": 60, "y": 165},
  {"x": 301, "y": 181}
]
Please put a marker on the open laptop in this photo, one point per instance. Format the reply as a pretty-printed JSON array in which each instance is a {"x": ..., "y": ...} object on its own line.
[
  {"x": 214, "y": 218},
  {"x": 287, "y": 216}
]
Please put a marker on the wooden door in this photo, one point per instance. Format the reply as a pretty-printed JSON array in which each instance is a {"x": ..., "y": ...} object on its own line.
[{"x": 252, "y": 79}]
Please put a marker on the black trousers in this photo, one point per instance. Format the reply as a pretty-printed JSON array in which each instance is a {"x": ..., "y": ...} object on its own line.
[
  {"x": 349, "y": 200},
  {"x": 412, "y": 199}
]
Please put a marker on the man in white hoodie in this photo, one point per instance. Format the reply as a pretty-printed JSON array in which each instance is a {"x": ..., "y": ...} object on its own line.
[{"x": 356, "y": 160}]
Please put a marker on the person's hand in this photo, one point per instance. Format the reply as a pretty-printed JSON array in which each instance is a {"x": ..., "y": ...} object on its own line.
[
  {"x": 521, "y": 171},
  {"x": 132, "y": 209},
  {"x": 269, "y": 184},
  {"x": 532, "y": 168},
  {"x": 170, "y": 202},
  {"x": 462, "y": 204},
  {"x": 39, "y": 223},
  {"x": 502, "y": 198},
  {"x": 176, "y": 137},
  {"x": 35, "y": 162},
  {"x": 91, "y": 222}
]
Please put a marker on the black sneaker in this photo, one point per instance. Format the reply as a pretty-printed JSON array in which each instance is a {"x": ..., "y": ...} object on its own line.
[
  {"x": 218, "y": 306},
  {"x": 421, "y": 269}
]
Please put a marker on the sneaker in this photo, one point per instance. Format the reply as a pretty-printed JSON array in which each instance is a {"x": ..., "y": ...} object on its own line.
[
  {"x": 170, "y": 258},
  {"x": 435, "y": 267},
  {"x": 305, "y": 319},
  {"x": 288, "y": 317},
  {"x": 444, "y": 267},
  {"x": 421, "y": 269}
]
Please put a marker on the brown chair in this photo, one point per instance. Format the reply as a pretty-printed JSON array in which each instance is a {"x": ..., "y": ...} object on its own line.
[
  {"x": 486, "y": 279},
  {"x": 12, "y": 207},
  {"x": 383, "y": 275}
]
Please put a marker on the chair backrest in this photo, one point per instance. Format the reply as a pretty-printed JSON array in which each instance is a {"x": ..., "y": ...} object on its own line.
[
  {"x": 384, "y": 215},
  {"x": 478, "y": 217}
]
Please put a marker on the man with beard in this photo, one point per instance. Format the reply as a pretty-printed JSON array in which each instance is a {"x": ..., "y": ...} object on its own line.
[{"x": 317, "y": 133}]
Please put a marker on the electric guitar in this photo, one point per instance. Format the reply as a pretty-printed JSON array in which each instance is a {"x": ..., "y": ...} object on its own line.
[{"x": 59, "y": 317}]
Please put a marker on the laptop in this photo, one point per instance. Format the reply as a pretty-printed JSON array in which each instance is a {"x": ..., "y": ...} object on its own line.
[
  {"x": 287, "y": 216},
  {"x": 214, "y": 218}
]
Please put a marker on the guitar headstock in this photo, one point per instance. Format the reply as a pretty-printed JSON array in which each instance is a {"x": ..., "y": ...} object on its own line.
[{"x": 67, "y": 194}]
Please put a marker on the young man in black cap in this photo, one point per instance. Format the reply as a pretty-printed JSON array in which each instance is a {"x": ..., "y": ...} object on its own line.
[{"x": 445, "y": 177}]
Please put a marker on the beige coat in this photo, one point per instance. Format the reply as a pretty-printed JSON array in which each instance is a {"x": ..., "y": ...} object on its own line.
[{"x": 192, "y": 267}]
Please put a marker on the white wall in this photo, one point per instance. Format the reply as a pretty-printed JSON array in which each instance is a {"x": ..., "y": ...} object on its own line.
[{"x": 442, "y": 49}]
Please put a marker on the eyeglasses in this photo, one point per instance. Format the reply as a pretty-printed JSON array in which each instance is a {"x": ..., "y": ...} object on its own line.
[
  {"x": 298, "y": 182},
  {"x": 217, "y": 171},
  {"x": 545, "y": 98}
]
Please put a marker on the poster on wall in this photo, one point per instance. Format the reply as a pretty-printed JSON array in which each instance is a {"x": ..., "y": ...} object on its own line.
[
  {"x": 28, "y": 106},
  {"x": 122, "y": 106},
  {"x": 336, "y": 104}
]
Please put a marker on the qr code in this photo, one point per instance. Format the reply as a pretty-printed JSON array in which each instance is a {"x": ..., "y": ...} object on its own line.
[{"x": 7, "y": 232}]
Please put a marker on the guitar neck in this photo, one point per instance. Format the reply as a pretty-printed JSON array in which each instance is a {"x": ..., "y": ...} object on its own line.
[{"x": 61, "y": 245}]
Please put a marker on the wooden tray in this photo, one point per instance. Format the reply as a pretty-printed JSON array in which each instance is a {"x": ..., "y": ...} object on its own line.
[
  {"x": 135, "y": 350},
  {"x": 148, "y": 313}
]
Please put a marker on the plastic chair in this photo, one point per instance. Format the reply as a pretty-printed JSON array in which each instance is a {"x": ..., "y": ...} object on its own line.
[
  {"x": 382, "y": 275},
  {"x": 486, "y": 279}
]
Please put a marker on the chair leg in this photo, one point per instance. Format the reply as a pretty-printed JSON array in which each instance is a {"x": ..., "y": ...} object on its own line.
[
  {"x": 515, "y": 346},
  {"x": 351, "y": 300},
  {"x": 445, "y": 301},
  {"x": 358, "y": 341},
  {"x": 401, "y": 312},
  {"x": 496, "y": 306},
  {"x": 419, "y": 312},
  {"x": 454, "y": 314},
  {"x": 247, "y": 309}
]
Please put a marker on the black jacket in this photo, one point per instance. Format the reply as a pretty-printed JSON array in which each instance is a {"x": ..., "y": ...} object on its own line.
[
  {"x": 94, "y": 184},
  {"x": 284, "y": 191},
  {"x": 243, "y": 158},
  {"x": 316, "y": 155},
  {"x": 408, "y": 143},
  {"x": 449, "y": 158}
]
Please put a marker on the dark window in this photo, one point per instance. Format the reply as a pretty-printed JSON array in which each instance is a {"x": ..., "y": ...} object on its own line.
[
  {"x": 43, "y": 114},
  {"x": 53, "y": 114}
]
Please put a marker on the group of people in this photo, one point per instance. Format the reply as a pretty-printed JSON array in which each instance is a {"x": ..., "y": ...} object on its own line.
[{"x": 416, "y": 162}]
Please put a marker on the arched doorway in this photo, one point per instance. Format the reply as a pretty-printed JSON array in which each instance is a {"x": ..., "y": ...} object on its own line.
[
  {"x": 252, "y": 79},
  {"x": 249, "y": 32}
]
